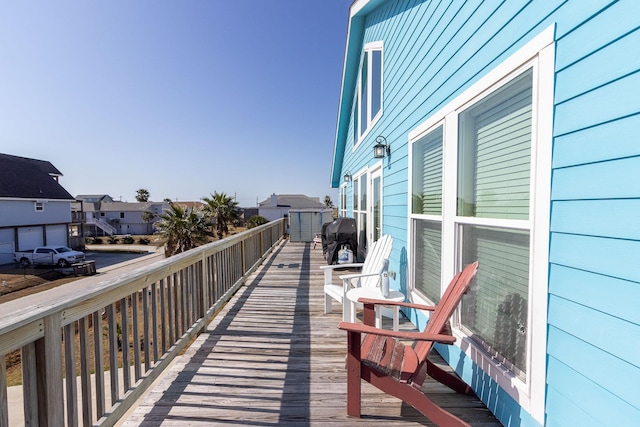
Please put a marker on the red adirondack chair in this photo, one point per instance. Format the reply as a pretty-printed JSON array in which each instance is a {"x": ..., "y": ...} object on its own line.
[{"x": 378, "y": 357}]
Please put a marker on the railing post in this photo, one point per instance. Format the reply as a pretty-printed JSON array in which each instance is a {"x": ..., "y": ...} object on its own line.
[
  {"x": 29, "y": 384},
  {"x": 49, "y": 373},
  {"x": 243, "y": 256},
  {"x": 204, "y": 285},
  {"x": 4, "y": 405}
]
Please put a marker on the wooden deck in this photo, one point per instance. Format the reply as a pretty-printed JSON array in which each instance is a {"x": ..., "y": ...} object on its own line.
[{"x": 272, "y": 357}]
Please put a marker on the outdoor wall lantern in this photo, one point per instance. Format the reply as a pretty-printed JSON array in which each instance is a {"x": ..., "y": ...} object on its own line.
[
  {"x": 347, "y": 176},
  {"x": 381, "y": 148}
]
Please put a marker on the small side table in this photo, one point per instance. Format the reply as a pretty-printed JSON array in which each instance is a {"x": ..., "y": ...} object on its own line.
[{"x": 374, "y": 293}]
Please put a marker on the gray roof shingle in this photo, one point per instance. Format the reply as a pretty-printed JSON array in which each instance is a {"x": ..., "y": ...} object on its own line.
[{"x": 25, "y": 178}]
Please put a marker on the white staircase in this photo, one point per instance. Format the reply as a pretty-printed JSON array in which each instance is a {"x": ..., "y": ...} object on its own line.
[{"x": 103, "y": 225}]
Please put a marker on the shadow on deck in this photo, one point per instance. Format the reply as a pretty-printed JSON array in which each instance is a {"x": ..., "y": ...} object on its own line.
[{"x": 272, "y": 357}]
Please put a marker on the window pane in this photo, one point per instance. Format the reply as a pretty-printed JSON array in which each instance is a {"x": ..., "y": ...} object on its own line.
[
  {"x": 356, "y": 183},
  {"x": 376, "y": 82},
  {"x": 495, "y": 154},
  {"x": 427, "y": 174},
  {"x": 363, "y": 193},
  {"x": 362, "y": 234},
  {"x": 428, "y": 250},
  {"x": 355, "y": 122},
  {"x": 494, "y": 311},
  {"x": 364, "y": 94},
  {"x": 377, "y": 209}
]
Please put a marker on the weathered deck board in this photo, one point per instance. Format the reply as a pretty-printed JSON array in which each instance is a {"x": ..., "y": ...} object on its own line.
[{"x": 271, "y": 357}]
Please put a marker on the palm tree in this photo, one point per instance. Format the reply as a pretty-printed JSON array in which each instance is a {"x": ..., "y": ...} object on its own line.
[
  {"x": 148, "y": 217},
  {"x": 222, "y": 209},
  {"x": 182, "y": 229},
  {"x": 142, "y": 195},
  {"x": 328, "y": 202}
]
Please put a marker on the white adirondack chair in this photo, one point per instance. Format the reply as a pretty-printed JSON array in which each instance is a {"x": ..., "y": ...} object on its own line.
[{"x": 369, "y": 276}]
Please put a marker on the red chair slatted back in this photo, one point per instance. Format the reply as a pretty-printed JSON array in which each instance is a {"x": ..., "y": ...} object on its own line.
[{"x": 448, "y": 303}]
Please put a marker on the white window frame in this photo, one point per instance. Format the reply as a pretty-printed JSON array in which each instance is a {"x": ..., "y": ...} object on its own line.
[
  {"x": 38, "y": 206},
  {"x": 369, "y": 48},
  {"x": 359, "y": 178},
  {"x": 344, "y": 200},
  {"x": 375, "y": 171},
  {"x": 538, "y": 54}
]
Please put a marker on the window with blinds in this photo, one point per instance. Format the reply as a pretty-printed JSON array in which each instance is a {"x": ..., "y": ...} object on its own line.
[
  {"x": 494, "y": 163},
  {"x": 494, "y": 160},
  {"x": 494, "y": 311},
  {"x": 428, "y": 251},
  {"x": 427, "y": 174},
  {"x": 427, "y": 200},
  {"x": 473, "y": 164},
  {"x": 367, "y": 103}
]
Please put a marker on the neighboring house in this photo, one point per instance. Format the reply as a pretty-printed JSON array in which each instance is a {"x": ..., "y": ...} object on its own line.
[
  {"x": 278, "y": 205},
  {"x": 35, "y": 209},
  {"x": 511, "y": 132},
  {"x": 107, "y": 217}
]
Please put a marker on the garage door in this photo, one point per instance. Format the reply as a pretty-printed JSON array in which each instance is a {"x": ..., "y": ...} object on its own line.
[
  {"x": 29, "y": 238},
  {"x": 57, "y": 235},
  {"x": 6, "y": 253}
]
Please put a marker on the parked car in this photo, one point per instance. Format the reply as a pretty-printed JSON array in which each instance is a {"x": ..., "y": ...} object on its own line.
[{"x": 61, "y": 256}]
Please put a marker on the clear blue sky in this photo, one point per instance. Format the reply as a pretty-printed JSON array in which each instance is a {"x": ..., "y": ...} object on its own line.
[{"x": 182, "y": 98}]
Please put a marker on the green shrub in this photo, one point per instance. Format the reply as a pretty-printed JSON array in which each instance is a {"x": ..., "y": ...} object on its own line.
[
  {"x": 128, "y": 240},
  {"x": 144, "y": 241},
  {"x": 94, "y": 241},
  {"x": 113, "y": 240},
  {"x": 256, "y": 220}
]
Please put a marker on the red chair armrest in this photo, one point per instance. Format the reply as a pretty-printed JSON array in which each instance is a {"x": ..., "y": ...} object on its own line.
[{"x": 408, "y": 335}]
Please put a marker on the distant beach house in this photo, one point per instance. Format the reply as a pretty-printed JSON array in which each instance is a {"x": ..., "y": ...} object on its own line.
[
  {"x": 506, "y": 132},
  {"x": 104, "y": 216},
  {"x": 35, "y": 209},
  {"x": 278, "y": 205}
]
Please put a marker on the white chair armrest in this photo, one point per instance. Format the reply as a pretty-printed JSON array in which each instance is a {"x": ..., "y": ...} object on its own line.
[
  {"x": 328, "y": 270},
  {"x": 347, "y": 279}
]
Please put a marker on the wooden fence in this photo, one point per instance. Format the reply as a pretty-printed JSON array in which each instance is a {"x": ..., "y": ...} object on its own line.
[{"x": 136, "y": 322}]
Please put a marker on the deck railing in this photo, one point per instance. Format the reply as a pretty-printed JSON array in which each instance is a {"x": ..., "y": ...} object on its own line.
[{"x": 140, "y": 321}]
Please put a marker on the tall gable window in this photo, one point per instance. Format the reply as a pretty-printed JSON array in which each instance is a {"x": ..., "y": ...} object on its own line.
[
  {"x": 368, "y": 101},
  {"x": 480, "y": 190}
]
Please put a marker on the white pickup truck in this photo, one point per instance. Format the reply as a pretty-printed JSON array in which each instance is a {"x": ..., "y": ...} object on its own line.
[{"x": 49, "y": 255}]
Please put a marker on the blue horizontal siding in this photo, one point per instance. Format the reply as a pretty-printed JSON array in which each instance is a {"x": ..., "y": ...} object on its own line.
[
  {"x": 604, "y": 22},
  {"x": 623, "y": 385},
  {"x": 603, "y": 218},
  {"x": 606, "y": 103},
  {"x": 589, "y": 397},
  {"x": 602, "y": 67},
  {"x": 613, "y": 179},
  {"x": 566, "y": 412},
  {"x": 596, "y": 144},
  {"x": 605, "y": 332},
  {"x": 609, "y": 257},
  {"x": 604, "y": 294}
]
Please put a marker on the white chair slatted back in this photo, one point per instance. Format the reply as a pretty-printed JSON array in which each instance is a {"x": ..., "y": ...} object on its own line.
[{"x": 373, "y": 263}]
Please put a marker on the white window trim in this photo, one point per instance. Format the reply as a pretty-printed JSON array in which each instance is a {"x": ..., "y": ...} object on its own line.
[
  {"x": 369, "y": 47},
  {"x": 38, "y": 204},
  {"x": 540, "y": 54},
  {"x": 344, "y": 201},
  {"x": 359, "y": 176},
  {"x": 373, "y": 170}
]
